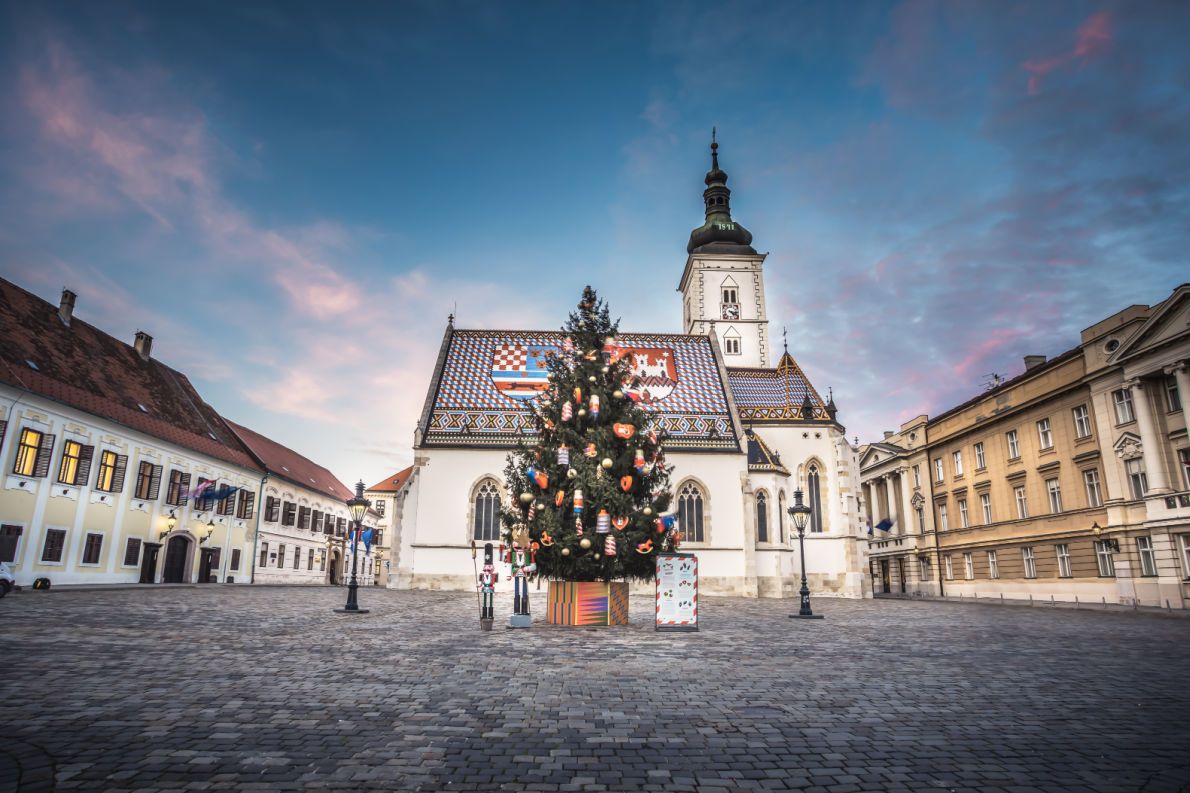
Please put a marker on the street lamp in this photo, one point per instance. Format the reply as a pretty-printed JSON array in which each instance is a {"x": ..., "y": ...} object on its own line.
[
  {"x": 1110, "y": 542},
  {"x": 358, "y": 506},
  {"x": 800, "y": 514},
  {"x": 170, "y": 522}
]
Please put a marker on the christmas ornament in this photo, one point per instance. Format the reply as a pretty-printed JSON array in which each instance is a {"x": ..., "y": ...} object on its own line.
[
  {"x": 620, "y": 523},
  {"x": 624, "y": 431},
  {"x": 606, "y": 369},
  {"x": 609, "y": 546},
  {"x": 610, "y": 353},
  {"x": 591, "y": 379},
  {"x": 532, "y": 512},
  {"x": 595, "y": 556},
  {"x": 567, "y": 345},
  {"x": 584, "y": 543},
  {"x": 606, "y": 462},
  {"x": 590, "y": 356},
  {"x": 571, "y": 473},
  {"x": 564, "y": 455},
  {"x": 582, "y": 412},
  {"x": 590, "y": 450},
  {"x": 526, "y": 498},
  {"x": 578, "y": 525},
  {"x": 594, "y": 406},
  {"x": 578, "y": 394},
  {"x": 647, "y": 510},
  {"x": 549, "y": 425},
  {"x": 578, "y": 501},
  {"x": 566, "y": 552},
  {"x": 540, "y": 477},
  {"x": 626, "y": 482},
  {"x": 652, "y": 436},
  {"x": 603, "y": 522},
  {"x": 638, "y": 462},
  {"x": 559, "y": 497},
  {"x": 618, "y": 394},
  {"x": 567, "y": 411},
  {"x": 665, "y": 523},
  {"x": 546, "y": 539},
  {"x": 645, "y": 547}
]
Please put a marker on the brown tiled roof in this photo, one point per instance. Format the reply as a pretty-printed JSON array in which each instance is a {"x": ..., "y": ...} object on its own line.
[
  {"x": 287, "y": 464},
  {"x": 83, "y": 367},
  {"x": 392, "y": 484}
]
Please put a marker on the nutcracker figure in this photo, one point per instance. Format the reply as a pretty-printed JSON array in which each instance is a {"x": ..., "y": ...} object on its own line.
[
  {"x": 487, "y": 583},
  {"x": 522, "y": 562}
]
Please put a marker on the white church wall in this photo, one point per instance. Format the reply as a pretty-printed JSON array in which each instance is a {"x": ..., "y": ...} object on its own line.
[{"x": 722, "y": 567}]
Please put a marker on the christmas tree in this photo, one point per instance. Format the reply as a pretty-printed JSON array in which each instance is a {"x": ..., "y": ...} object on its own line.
[{"x": 593, "y": 490}]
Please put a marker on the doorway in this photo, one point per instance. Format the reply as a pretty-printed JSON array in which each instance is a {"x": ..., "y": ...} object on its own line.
[
  {"x": 901, "y": 572},
  {"x": 885, "y": 582},
  {"x": 148, "y": 562},
  {"x": 175, "y": 561},
  {"x": 208, "y": 563},
  {"x": 333, "y": 568}
]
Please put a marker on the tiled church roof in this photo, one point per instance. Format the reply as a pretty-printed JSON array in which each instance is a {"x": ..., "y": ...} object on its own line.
[
  {"x": 761, "y": 458},
  {"x": 775, "y": 395},
  {"x": 477, "y": 394}
]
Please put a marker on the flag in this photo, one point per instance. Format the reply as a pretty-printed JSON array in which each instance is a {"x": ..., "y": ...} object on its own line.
[
  {"x": 201, "y": 488},
  {"x": 885, "y": 525},
  {"x": 367, "y": 538},
  {"x": 222, "y": 493}
]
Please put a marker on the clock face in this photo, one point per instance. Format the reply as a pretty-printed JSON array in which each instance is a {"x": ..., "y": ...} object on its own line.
[{"x": 731, "y": 312}]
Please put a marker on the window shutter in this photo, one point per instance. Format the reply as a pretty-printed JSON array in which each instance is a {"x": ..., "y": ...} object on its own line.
[
  {"x": 249, "y": 504},
  {"x": 3, "y": 430},
  {"x": 118, "y": 476},
  {"x": 155, "y": 483},
  {"x": 84, "y": 469},
  {"x": 42, "y": 466},
  {"x": 183, "y": 498}
]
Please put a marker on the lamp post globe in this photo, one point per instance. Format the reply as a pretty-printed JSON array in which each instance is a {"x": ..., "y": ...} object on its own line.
[
  {"x": 357, "y": 506},
  {"x": 800, "y": 514}
]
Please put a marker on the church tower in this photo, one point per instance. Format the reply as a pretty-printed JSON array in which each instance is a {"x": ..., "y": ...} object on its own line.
[{"x": 723, "y": 284}]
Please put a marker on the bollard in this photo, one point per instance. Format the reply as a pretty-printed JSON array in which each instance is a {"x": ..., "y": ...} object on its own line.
[
  {"x": 1051, "y": 600},
  {"x": 1167, "y": 604},
  {"x": 1030, "y": 598},
  {"x": 1001, "y": 598},
  {"x": 1105, "y": 602},
  {"x": 1076, "y": 602}
]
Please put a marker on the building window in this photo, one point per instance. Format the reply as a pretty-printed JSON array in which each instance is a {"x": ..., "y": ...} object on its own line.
[
  {"x": 132, "y": 552},
  {"x": 1122, "y": 399},
  {"x": 917, "y": 476},
  {"x": 1082, "y": 422},
  {"x": 1054, "y": 489},
  {"x": 939, "y": 473},
  {"x": 1030, "y": 562},
  {"x": 111, "y": 472},
  {"x": 1063, "y": 552},
  {"x": 486, "y": 525},
  {"x": 10, "y": 538},
  {"x": 985, "y": 504},
  {"x": 297, "y": 558},
  {"x": 264, "y": 554},
  {"x": 379, "y": 507},
  {"x": 1184, "y": 539},
  {"x": 289, "y": 514},
  {"x": 76, "y": 463},
  {"x": 55, "y": 541},
  {"x": 280, "y": 555},
  {"x": 1045, "y": 435},
  {"x": 1172, "y": 400},
  {"x": 1014, "y": 445},
  {"x": 303, "y": 521},
  {"x": 690, "y": 513},
  {"x": 958, "y": 463},
  {"x": 949, "y": 564},
  {"x": 227, "y": 505},
  {"x": 943, "y": 523},
  {"x": 1137, "y": 481},
  {"x": 968, "y": 566},
  {"x": 980, "y": 460},
  {"x": 33, "y": 453},
  {"x": 1022, "y": 503},
  {"x": 1184, "y": 463},
  {"x": 1105, "y": 559},
  {"x": 1148, "y": 561},
  {"x": 1091, "y": 481},
  {"x": 923, "y": 568},
  {"x": 179, "y": 483},
  {"x": 993, "y": 565},
  {"x": 730, "y": 294},
  {"x": 246, "y": 507},
  {"x": 814, "y": 496},
  {"x": 91, "y": 547},
  {"x": 731, "y": 345},
  {"x": 921, "y": 520},
  {"x": 235, "y": 559},
  {"x": 963, "y": 513},
  {"x": 762, "y": 518},
  {"x": 148, "y": 481}
]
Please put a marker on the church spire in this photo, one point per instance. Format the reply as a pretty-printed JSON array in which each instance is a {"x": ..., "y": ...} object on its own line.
[{"x": 719, "y": 234}]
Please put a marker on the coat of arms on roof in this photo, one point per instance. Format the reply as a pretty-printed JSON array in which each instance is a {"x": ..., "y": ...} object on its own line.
[
  {"x": 519, "y": 371},
  {"x": 655, "y": 371}
]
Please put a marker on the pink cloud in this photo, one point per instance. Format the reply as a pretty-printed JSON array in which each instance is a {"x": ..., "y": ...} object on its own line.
[{"x": 1093, "y": 37}]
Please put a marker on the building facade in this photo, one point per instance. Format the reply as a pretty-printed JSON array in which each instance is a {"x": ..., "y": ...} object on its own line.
[{"x": 388, "y": 501}]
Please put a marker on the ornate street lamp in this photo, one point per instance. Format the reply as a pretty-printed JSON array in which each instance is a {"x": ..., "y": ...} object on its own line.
[
  {"x": 358, "y": 506},
  {"x": 1110, "y": 542},
  {"x": 800, "y": 514}
]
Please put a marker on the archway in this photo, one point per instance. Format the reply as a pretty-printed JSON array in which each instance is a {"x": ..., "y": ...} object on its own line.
[{"x": 176, "y": 556}]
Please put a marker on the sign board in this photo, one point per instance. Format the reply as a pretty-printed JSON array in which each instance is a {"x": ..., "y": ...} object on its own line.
[{"x": 677, "y": 592}]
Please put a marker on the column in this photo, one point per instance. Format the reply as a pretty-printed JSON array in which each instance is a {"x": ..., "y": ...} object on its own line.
[
  {"x": 1150, "y": 439},
  {"x": 906, "y": 508},
  {"x": 1181, "y": 373},
  {"x": 890, "y": 498}
]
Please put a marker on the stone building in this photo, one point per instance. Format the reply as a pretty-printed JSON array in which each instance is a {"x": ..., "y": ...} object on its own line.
[{"x": 388, "y": 500}]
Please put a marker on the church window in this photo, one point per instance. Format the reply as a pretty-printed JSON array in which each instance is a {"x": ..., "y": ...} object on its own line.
[
  {"x": 762, "y": 518},
  {"x": 814, "y": 499},
  {"x": 690, "y": 513},
  {"x": 781, "y": 516},
  {"x": 486, "y": 526},
  {"x": 731, "y": 345}
]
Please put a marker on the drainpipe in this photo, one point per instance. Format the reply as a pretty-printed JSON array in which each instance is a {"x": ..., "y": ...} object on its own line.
[{"x": 256, "y": 538}]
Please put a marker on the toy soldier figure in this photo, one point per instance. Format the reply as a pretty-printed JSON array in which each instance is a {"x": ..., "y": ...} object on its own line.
[
  {"x": 522, "y": 563},
  {"x": 487, "y": 587}
]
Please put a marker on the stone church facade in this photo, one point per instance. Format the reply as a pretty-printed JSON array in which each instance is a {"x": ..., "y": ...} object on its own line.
[{"x": 743, "y": 436}]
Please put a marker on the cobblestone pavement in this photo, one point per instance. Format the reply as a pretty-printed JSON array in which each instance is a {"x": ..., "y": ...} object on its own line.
[{"x": 266, "y": 689}]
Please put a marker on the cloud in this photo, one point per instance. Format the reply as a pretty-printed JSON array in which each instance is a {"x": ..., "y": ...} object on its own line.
[{"x": 1093, "y": 37}]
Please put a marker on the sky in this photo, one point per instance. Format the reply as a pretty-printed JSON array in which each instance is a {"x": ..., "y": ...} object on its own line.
[{"x": 292, "y": 197}]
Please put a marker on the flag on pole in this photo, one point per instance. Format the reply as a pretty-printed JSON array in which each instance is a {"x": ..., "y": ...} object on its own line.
[
  {"x": 367, "y": 538},
  {"x": 222, "y": 493},
  {"x": 201, "y": 488},
  {"x": 885, "y": 525}
]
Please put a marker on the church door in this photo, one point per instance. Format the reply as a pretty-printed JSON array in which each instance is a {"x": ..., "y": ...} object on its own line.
[{"x": 175, "y": 561}]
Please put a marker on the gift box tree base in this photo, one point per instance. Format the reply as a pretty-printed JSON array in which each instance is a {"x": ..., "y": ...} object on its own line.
[{"x": 585, "y": 603}]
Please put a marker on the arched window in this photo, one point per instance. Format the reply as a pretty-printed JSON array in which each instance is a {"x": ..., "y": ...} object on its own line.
[
  {"x": 486, "y": 525},
  {"x": 690, "y": 523},
  {"x": 762, "y": 518},
  {"x": 814, "y": 499},
  {"x": 781, "y": 516}
]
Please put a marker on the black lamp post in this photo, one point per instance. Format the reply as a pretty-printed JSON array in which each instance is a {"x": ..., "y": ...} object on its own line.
[
  {"x": 357, "y": 506},
  {"x": 800, "y": 514}
]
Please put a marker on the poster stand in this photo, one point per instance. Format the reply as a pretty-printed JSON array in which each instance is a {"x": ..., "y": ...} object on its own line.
[{"x": 677, "y": 592}]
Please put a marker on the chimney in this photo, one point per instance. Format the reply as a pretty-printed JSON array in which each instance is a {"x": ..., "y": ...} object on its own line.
[
  {"x": 143, "y": 345},
  {"x": 1033, "y": 361},
  {"x": 66, "y": 307},
  {"x": 887, "y": 434}
]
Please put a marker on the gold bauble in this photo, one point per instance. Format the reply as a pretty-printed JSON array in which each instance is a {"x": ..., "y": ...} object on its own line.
[
  {"x": 647, "y": 510},
  {"x": 618, "y": 394},
  {"x": 571, "y": 473},
  {"x": 584, "y": 543},
  {"x": 606, "y": 462},
  {"x": 596, "y": 556},
  {"x": 582, "y": 411},
  {"x": 566, "y": 552},
  {"x": 606, "y": 369},
  {"x": 591, "y": 379},
  {"x": 526, "y": 498}
]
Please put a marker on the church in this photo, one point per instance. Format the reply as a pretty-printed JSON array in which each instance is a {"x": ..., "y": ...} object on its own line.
[{"x": 742, "y": 435}]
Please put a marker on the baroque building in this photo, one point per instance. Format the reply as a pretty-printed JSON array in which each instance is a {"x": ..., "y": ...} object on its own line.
[{"x": 742, "y": 435}]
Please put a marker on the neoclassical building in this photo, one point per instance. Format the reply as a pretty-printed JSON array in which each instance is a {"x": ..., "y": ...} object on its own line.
[{"x": 743, "y": 435}]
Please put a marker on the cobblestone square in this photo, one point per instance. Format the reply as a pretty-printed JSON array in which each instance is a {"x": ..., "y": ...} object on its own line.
[{"x": 267, "y": 689}]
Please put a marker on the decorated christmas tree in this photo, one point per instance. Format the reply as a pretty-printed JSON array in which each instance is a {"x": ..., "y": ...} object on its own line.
[{"x": 593, "y": 491}]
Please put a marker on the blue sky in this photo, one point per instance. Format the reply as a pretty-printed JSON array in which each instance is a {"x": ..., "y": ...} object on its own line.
[{"x": 292, "y": 197}]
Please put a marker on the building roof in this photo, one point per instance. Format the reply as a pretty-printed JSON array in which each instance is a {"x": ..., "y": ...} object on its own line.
[
  {"x": 777, "y": 395},
  {"x": 83, "y": 367},
  {"x": 285, "y": 463},
  {"x": 720, "y": 233},
  {"x": 762, "y": 459},
  {"x": 392, "y": 483},
  {"x": 478, "y": 394}
]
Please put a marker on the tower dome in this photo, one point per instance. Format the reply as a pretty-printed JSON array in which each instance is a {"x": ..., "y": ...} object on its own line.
[{"x": 719, "y": 234}]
